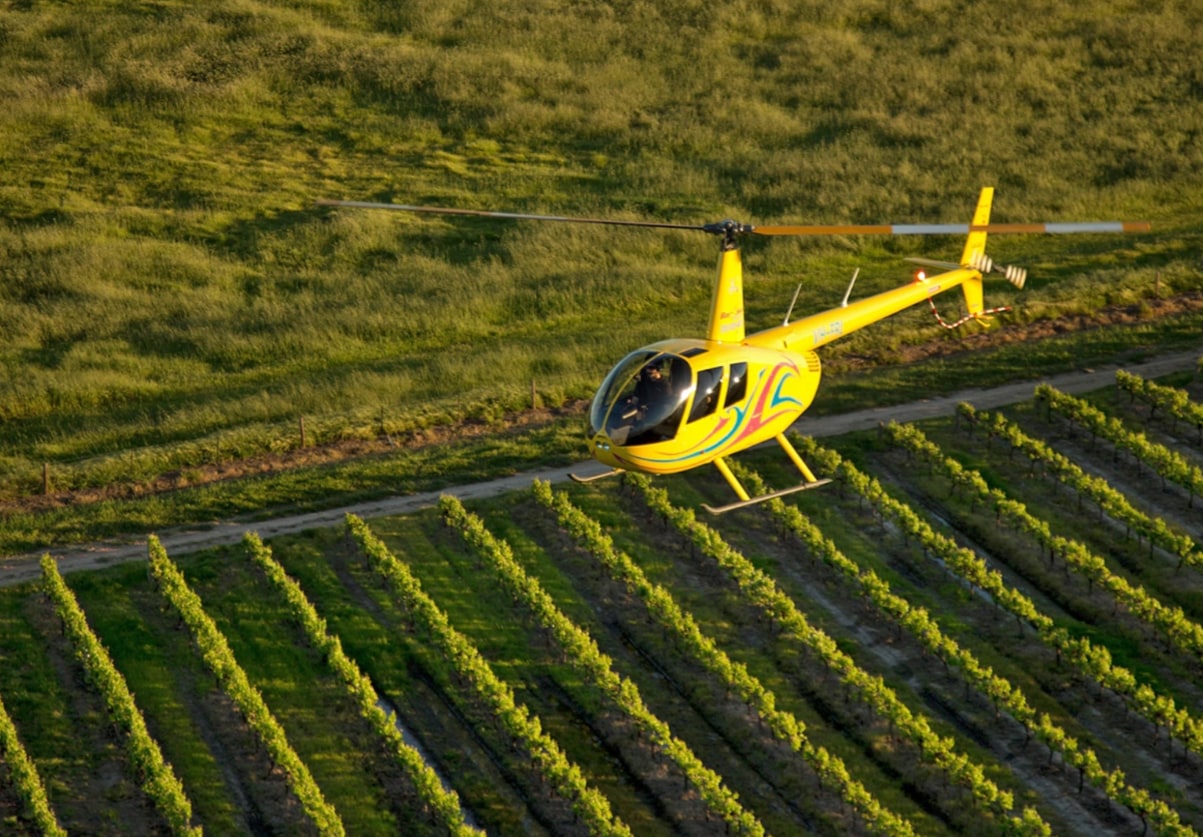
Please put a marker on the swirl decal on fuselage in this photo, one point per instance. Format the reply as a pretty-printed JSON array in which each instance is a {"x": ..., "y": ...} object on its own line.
[{"x": 768, "y": 401}]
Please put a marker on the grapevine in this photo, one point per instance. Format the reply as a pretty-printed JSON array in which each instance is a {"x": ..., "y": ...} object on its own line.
[
  {"x": 233, "y": 680},
  {"x": 1111, "y": 502},
  {"x": 735, "y": 676},
  {"x": 25, "y": 776},
  {"x": 444, "y": 803},
  {"x": 1168, "y": 464},
  {"x": 524, "y": 727},
  {"x": 1093, "y": 660}
]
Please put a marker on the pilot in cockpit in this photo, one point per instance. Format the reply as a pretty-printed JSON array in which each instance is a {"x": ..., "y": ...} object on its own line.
[
  {"x": 651, "y": 386},
  {"x": 644, "y": 406}
]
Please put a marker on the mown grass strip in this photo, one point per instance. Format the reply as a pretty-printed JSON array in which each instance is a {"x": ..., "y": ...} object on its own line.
[
  {"x": 233, "y": 680},
  {"x": 357, "y": 479},
  {"x": 520, "y": 724},
  {"x": 159, "y": 780}
]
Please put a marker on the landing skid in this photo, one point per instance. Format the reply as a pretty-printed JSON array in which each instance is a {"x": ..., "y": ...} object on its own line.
[
  {"x": 742, "y": 504},
  {"x": 585, "y": 480}
]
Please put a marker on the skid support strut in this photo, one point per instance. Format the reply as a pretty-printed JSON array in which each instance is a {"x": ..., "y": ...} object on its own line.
[{"x": 741, "y": 492}]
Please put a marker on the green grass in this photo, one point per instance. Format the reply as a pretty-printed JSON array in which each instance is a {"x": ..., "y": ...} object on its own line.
[
  {"x": 169, "y": 294},
  {"x": 403, "y": 471}
]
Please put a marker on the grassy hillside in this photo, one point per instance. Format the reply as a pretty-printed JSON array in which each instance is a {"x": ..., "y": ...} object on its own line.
[{"x": 170, "y": 294}]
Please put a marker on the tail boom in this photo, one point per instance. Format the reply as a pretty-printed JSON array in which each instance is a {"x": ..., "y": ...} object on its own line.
[{"x": 823, "y": 328}]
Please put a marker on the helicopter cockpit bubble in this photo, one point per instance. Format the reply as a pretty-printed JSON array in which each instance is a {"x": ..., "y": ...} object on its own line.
[{"x": 642, "y": 400}]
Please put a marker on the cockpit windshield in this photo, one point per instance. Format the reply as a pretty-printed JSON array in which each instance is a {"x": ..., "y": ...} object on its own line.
[{"x": 643, "y": 399}]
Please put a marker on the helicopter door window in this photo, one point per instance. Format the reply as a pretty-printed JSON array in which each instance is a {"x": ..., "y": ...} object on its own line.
[
  {"x": 705, "y": 397},
  {"x": 737, "y": 388}
]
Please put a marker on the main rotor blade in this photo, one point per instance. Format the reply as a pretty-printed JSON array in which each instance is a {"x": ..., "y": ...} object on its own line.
[
  {"x": 732, "y": 228},
  {"x": 951, "y": 229},
  {"x": 512, "y": 216}
]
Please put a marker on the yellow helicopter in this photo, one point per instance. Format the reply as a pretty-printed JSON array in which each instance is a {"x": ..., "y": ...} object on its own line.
[{"x": 684, "y": 402}]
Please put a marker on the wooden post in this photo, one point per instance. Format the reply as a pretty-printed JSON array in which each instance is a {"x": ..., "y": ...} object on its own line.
[
  {"x": 45, "y": 478},
  {"x": 302, "y": 423}
]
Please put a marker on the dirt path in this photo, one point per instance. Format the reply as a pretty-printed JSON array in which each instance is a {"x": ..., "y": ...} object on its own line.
[{"x": 18, "y": 569}]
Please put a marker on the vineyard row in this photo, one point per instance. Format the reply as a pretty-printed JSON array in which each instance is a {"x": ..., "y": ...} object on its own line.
[{"x": 1092, "y": 660}]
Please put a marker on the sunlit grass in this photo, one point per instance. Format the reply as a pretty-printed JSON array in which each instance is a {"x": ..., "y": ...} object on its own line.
[{"x": 170, "y": 295}]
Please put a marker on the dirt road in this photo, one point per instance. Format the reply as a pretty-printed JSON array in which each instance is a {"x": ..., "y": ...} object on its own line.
[{"x": 21, "y": 568}]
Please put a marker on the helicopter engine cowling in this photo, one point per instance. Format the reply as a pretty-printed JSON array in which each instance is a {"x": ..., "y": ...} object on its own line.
[{"x": 677, "y": 404}]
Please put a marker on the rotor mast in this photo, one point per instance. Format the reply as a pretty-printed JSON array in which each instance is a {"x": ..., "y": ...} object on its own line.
[{"x": 727, "y": 301}]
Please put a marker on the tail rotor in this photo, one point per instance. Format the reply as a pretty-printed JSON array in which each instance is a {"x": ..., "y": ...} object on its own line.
[{"x": 1014, "y": 274}]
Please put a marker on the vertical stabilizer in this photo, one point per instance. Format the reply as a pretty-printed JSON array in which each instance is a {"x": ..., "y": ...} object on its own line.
[
  {"x": 727, "y": 304},
  {"x": 975, "y": 251}
]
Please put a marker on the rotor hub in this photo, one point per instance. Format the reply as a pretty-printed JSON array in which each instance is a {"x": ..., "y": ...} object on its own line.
[{"x": 729, "y": 229}]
